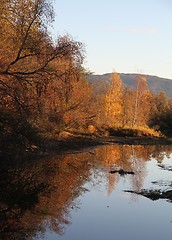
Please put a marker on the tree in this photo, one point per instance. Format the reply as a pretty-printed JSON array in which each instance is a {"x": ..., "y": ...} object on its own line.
[
  {"x": 161, "y": 118},
  {"x": 69, "y": 105},
  {"x": 113, "y": 102},
  {"x": 128, "y": 106},
  {"x": 142, "y": 103},
  {"x": 29, "y": 61}
]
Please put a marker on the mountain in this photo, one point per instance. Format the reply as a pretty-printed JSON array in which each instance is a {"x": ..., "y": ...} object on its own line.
[{"x": 155, "y": 84}]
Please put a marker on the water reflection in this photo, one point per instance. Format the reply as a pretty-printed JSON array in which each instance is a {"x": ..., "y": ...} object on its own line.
[{"x": 39, "y": 196}]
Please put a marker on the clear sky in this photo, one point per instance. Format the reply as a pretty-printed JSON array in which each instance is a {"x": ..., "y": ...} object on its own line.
[{"x": 127, "y": 36}]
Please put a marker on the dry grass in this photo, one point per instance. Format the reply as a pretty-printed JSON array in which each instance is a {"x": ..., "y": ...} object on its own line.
[{"x": 136, "y": 131}]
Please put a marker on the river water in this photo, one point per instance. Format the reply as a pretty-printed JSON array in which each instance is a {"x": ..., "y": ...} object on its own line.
[{"x": 107, "y": 192}]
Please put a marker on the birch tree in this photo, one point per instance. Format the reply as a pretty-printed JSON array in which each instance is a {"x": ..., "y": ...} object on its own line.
[
  {"x": 29, "y": 60},
  {"x": 142, "y": 103},
  {"x": 113, "y": 102}
]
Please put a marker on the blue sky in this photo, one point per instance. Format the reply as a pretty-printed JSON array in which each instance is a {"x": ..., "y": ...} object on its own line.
[{"x": 120, "y": 35}]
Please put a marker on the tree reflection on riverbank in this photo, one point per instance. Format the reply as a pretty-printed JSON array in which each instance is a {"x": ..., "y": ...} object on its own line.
[{"x": 39, "y": 195}]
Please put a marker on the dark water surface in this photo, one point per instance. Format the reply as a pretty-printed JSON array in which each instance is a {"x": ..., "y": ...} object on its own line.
[{"x": 109, "y": 192}]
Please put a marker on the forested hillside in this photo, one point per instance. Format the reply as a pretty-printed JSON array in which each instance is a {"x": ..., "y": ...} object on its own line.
[{"x": 155, "y": 84}]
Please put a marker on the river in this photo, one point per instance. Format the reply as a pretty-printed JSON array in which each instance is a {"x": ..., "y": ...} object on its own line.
[{"x": 107, "y": 192}]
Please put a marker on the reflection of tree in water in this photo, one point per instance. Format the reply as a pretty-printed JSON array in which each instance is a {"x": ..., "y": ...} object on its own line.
[
  {"x": 161, "y": 151},
  {"x": 129, "y": 158},
  {"x": 39, "y": 195},
  {"x": 120, "y": 157},
  {"x": 20, "y": 189},
  {"x": 164, "y": 190}
]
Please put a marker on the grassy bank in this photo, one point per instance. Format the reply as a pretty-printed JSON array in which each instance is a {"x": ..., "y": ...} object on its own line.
[{"x": 72, "y": 141}]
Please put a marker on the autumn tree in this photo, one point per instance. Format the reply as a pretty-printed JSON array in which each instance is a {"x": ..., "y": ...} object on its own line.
[
  {"x": 161, "y": 118},
  {"x": 128, "y": 106},
  {"x": 29, "y": 61},
  {"x": 69, "y": 105},
  {"x": 142, "y": 103},
  {"x": 113, "y": 102}
]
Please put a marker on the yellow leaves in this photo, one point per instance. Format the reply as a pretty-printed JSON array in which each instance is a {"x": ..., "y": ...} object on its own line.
[{"x": 113, "y": 101}]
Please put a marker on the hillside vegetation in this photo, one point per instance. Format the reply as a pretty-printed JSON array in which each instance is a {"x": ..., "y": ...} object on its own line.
[{"x": 155, "y": 84}]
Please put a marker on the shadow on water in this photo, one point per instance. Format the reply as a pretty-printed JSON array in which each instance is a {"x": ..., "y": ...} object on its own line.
[{"x": 37, "y": 196}]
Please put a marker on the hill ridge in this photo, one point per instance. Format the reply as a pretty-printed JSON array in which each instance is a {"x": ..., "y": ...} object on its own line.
[{"x": 156, "y": 84}]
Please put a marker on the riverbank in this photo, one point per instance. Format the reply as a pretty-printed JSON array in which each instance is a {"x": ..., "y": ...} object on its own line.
[
  {"x": 80, "y": 143},
  {"x": 75, "y": 144}
]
